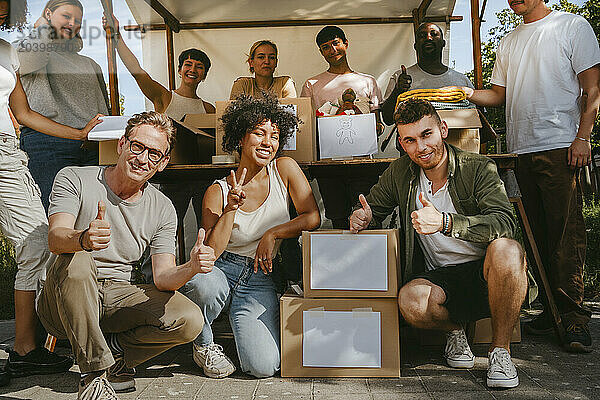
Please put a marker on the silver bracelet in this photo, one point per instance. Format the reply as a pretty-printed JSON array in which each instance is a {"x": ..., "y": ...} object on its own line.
[{"x": 584, "y": 139}]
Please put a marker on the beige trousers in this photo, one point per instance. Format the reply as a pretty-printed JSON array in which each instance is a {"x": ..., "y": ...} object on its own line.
[{"x": 75, "y": 305}]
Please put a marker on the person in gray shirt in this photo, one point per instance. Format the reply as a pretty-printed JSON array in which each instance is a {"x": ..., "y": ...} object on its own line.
[
  {"x": 428, "y": 73},
  {"x": 100, "y": 221}
]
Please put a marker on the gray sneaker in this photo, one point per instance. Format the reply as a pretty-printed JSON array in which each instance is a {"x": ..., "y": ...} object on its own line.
[
  {"x": 96, "y": 388},
  {"x": 120, "y": 376},
  {"x": 501, "y": 373},
  {"x": 213, "y": 361},
  {"x": 458, "y": 353}
]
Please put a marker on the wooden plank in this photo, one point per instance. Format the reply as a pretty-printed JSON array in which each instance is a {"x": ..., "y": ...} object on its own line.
[
  {"x": 476, "y": 40},
  {"x": 170, "y": 58},
  {"x": 169, "y": 18},
  {"x": 113, "y": 81},
  {"x": 280, "y": 23}
]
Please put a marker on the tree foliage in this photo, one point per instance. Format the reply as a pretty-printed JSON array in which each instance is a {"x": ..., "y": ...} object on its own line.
[{"x": 508, "y": 21}]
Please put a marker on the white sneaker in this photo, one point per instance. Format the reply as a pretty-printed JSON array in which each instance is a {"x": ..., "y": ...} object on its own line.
[
  {"x": 97, "y": 388},
  {"x": 501, "y": 373},
  {"x": 458, "y": 353},
  {"x": 213, "y": 361}
]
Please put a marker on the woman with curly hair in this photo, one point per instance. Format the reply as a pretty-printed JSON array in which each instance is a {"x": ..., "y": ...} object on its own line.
[
  {"x": 262, "y": 61},
  {"x": 246, "y": 216},
  {"x": 22, "y": 217},
  {"x": 62, "y": 85}
]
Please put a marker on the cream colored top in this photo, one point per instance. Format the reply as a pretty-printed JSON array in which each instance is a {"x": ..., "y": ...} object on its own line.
[
  {"x": 249, "y": 227},
  {"x": 179, "y": 106},
  {"x": 282, "y": 86}
]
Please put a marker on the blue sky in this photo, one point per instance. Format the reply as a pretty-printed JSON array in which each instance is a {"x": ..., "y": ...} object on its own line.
[{"x": 95, "y": 45}]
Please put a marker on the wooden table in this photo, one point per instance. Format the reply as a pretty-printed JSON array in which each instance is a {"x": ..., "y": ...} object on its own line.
[{"x": 358, "y": 166}]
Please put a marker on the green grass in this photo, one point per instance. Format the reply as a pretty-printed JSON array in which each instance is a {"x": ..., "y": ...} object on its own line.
[{"x": 591, "y": 212}]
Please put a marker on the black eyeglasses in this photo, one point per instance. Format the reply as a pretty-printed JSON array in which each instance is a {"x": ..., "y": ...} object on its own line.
[{"x": 137, "y": 148}]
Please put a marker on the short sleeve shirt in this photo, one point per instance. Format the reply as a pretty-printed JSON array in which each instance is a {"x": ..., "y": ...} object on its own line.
[
  {"x": 538, "y": 64},
  {"x": 148, "y": 222},
  {"x": 9, "y": 65}
]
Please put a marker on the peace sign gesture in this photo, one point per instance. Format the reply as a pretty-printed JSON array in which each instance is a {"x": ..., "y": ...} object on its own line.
[{"x": 236, "y": 195}]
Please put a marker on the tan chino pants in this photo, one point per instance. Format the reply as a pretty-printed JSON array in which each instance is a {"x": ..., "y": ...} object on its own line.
[{"x": 75, "y": 305}]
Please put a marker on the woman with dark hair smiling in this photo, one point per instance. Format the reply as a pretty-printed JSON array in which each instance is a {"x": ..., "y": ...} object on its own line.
[
  {"x": 22, "y": 217},
  {"x": 246, "y": 216}
]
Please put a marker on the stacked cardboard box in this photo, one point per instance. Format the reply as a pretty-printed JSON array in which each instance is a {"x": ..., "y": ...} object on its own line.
[{"x": 345, "y": 324}]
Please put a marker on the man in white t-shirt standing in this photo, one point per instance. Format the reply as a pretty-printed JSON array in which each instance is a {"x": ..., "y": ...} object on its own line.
[
  {"x": 428, "y": 73},
  {"x": 548, "y": 72},
  {"x": 339, "y": 193}
]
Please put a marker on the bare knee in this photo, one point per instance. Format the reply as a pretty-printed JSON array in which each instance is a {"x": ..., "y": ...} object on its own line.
[
  {"x": 413, "y": 302},
  {"x": 505, "y": 256}
]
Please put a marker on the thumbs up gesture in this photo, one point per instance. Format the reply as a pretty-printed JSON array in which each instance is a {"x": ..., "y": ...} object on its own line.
[
  {"x": 404, "y": 81},
  {"x": 202, "y": 257},
  {"x": 427, "y": 220},
  {"x": 97, "y": 236},
  {"x": 361, "y": 218}
]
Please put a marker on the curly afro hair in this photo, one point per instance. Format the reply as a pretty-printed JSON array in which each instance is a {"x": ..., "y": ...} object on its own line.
[
  {"x": 17, "y": 15},
  {"x": 246, "y": 113}
]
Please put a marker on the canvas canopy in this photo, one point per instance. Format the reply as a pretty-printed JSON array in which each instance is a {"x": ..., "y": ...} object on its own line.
[{"x": 378, "y": 49}]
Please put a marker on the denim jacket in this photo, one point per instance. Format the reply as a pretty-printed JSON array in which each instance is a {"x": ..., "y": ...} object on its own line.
[{"x": 477, "y": 192}]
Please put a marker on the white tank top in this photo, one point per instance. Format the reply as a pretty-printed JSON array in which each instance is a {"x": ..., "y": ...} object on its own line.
[
  {"x": 249, "y": 227},
  {"x": 180, "y": 106}
]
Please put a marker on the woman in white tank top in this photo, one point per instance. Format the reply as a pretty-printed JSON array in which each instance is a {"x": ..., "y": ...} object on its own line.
[{"x": 245, "y": 216}]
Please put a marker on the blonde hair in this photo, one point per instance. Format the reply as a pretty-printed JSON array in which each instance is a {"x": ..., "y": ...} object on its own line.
[
  {"x": 54, "y": 4},
  {"x": 255, "y": 46}
]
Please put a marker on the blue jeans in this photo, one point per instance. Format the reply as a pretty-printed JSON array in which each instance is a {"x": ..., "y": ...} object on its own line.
[
  {"x": 253, "y": 310},
  {"x": 49, "y": 154}
]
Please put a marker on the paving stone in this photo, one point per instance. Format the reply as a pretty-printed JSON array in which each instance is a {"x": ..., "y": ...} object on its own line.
[
  {"x": 401, "y": 396},
  {"x": 461, "y": 395},
  {"x": 396, "y": 385},
  {"x": 354, "y": 396},
  {"x": 334, "y": 386},
  {"x": 280, "y": 387}
]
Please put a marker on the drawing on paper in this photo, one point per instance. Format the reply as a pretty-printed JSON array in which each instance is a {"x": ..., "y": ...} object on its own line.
[{"x": 345, "y": 132}]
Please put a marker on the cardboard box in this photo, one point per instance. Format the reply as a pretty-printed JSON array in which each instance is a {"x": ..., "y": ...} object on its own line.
[
  {"x": 463, "y": 127},
  {"x": 303, "y": 147},
  {"x": 346, "y": 136},
  {"x": 338, "y": 263},
  {"x": 339, "y": 332},
  {"x": 483, "y": 332},
  {"x": 479, "y": 332},
  {"x": 192, "y": 146}
]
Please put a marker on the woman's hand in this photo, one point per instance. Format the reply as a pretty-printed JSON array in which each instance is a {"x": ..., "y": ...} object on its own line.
[
  {"x": 264, "y": 253},
  {"x": 112, "y": 24},
  {"x": 90, "y": 125},
  {"x": 236, "y": 195}
]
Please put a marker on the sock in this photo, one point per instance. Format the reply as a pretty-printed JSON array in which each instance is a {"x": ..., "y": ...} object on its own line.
[{"x": 113, "y": 343}]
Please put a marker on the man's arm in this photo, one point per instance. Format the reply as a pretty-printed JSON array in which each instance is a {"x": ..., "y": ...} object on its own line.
[
  {"x": 493, "y": 97},
  {"x": 495, "y": 218},
  {"x": 580, "y": 151},
  {"x": 168, "y": 276},
  {"x": 63, "y": 238}
]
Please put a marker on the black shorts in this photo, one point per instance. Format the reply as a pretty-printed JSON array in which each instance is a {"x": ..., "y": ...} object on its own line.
[{"x": 466, "y": 290}]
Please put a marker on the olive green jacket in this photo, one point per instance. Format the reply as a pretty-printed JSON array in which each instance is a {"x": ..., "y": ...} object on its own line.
[{"x": 477, "y": 192}]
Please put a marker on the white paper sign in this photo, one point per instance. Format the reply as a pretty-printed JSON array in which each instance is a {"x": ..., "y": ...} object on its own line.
[
  {"x": 291, "y": 143},
  {"x": 341, "y": 339},
  {"x": 112, "y": 127},
  {"x": 347, "y": 135},
  {"x": 348, "y": 262}
]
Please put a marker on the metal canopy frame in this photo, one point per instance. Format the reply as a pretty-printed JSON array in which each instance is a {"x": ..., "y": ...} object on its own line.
[{"x": 173, "y": 25}]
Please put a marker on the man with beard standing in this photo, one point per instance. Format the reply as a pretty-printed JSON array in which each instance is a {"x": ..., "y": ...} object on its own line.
[{"x": 428, "y": 73}]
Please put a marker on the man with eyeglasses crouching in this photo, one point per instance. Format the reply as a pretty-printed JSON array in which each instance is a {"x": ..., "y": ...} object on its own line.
[{"x": 101, "y": 220}]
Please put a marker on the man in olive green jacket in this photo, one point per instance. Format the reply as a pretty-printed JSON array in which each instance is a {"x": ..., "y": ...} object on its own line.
[{"x": 460, "y": 263}]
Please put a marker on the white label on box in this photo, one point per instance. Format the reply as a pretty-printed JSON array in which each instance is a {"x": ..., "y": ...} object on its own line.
[
  {"x": 342, "y": 339},
  {"x": 347, "y": 135},
  {"x": 111, "y": 127},
  {"x": 348, "y": 262},
  {"x": 291, "y": 143}
]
